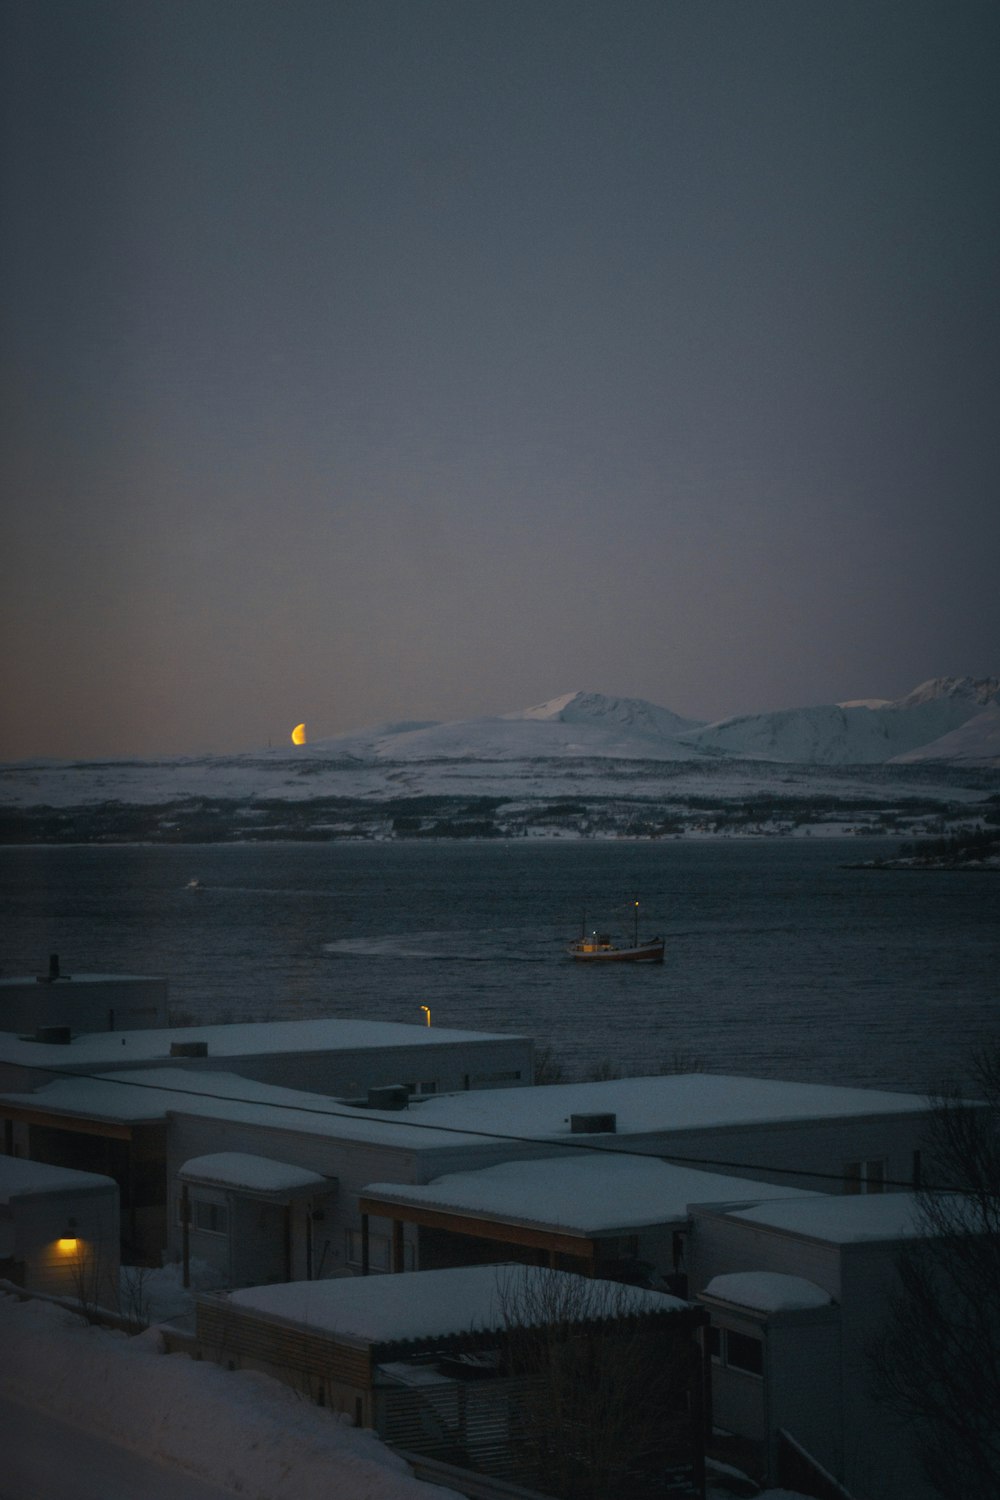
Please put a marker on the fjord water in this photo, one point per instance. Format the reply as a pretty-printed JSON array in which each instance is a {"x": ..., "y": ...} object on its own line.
[{"x": 780, "y": 961}]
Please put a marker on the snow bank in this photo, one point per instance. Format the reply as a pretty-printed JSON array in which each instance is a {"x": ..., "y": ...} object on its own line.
[{"x": 240, "y": 1430}]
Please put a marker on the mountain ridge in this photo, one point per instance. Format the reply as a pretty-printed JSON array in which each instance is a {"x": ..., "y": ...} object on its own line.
[{"x": 868, "y": 731}]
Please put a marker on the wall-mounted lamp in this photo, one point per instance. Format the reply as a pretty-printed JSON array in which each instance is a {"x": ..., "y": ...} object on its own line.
[
  {"x": 69, "y": 1239},
  {"x": 427, "y": 1011}
]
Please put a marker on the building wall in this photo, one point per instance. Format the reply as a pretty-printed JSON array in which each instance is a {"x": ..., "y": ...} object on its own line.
[
  {"x": 442, "y": 1068},
  {"x": 879, "y": 1460},
  {"x": 720, "y": 1244},
  {"x": 813, "y": 1154},
  {"x": 354, "y": 1164},
  {"x": 82, "y": 1264},
  {"x": 428, "y": 1067},
  {"x": 803, "y": 1361},
  {"x": 819, "y": 1384},
  {"x": 106, "y": 1003}
]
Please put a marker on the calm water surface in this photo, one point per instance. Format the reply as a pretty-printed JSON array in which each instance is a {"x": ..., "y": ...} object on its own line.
[{"x": 780, "y": 961}]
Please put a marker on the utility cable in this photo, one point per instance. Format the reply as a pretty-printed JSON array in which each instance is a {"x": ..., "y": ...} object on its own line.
[{"x": 586, "y": 1143}]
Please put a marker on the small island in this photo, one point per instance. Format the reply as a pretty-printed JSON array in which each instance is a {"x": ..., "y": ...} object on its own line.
[{"x": 970, "y": 849}]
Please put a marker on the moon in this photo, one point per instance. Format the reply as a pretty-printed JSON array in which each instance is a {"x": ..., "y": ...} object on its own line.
[{"x": 299, "y": 734}]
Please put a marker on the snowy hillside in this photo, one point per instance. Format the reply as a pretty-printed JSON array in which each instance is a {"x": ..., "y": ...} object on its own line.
[
  {"x": 580, "y": 745},
  {"x": 864, "y": 732}
]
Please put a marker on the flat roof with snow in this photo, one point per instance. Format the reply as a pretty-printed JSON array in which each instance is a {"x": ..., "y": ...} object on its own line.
[
  {"x": 10, "y": 981},
  {"x": 679, "y": 1101},
  {"x": 589, "y": 1195},
  {"x": 642, "y": 1106},
  {"x": 253, "y": 1174},
  {"x": 107, "y": 1049},
  {"x": 427, "y": 1304},
  {"x": 30, "y": 1179},
  {"x": 842, "y": 1220}
]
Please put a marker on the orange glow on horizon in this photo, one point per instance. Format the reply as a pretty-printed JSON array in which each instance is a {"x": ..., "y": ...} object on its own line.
[{"x": 299, "y": 734}]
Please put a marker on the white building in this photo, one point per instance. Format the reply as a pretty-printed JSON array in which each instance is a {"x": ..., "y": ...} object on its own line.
[
  {"x": 59, "y": 1231},
  {"x": 53, "y": 1002},
  {"x": 796, "y": 1291},
  {"x": 336, "y": 1057},
  {"x": 148, "y": 1126}
]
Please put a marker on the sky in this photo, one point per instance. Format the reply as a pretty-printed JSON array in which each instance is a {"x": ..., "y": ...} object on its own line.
[{"x": 368, "y": 360}]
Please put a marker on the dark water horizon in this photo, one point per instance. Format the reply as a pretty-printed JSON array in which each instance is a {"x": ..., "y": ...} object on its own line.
[{"x": 780, "y": 961}]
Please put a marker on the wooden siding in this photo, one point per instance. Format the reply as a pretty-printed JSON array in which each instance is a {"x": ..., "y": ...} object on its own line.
[
  {"x": 467, "y": 1423},
  {"x": 236, "y": 1333},
  {"x": 480, "y": 1226}
]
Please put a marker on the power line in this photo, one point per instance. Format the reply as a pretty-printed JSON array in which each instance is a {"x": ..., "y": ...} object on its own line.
[{"x": 578, "y": 1144}]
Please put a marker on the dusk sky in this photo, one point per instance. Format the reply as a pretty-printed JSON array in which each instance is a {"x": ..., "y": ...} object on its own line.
[{"x": 369, "y": 360}]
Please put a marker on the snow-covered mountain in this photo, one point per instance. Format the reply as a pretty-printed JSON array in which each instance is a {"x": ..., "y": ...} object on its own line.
[
  {"x": 578, "y": 745},
  {"x": 576, "y": 725},
  {"x": 862, "y": 732}
]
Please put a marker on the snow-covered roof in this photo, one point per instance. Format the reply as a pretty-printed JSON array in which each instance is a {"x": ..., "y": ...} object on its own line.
[
  {"x": 842, "y": 1220},
  {"x": 104, "y": 1049},
  {"x": 61, "y": 980},
  {"x": 259, "y": 1174},
  {"x": 27, "y": 1179},
  {"x": 148, "y": 1095},
  {"x": 680, "y": 1101},
  {"x": 586, "y": 1195},
  {"x": 432, "y": 1304},
  {"x": 767, "y": 1291},
  {"x": 643, "y": 1106}
]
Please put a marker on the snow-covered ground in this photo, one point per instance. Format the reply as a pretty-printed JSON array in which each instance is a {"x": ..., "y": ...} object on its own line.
[{"x": 239, "y": 1431}]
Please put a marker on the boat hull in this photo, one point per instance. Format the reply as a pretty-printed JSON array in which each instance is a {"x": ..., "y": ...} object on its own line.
[{"x": 603, "y": 952}]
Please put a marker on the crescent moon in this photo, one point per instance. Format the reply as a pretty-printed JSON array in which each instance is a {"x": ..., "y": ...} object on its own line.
[{"x": 299, "y": 734}]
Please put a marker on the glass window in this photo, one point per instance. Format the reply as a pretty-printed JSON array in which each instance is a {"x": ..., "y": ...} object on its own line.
[
  {"x": 744, "y": 1353},
  {"x": 866, "y": 1176},
  {"x": 378, "y": 1250},
  {"x": 213, "y": 1218}
]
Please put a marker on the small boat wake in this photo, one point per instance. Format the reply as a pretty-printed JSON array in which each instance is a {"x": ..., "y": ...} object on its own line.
[{"x": 426, "y": 947}]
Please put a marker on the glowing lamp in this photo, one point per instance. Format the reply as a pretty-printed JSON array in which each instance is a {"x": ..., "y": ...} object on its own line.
[{"x": 427, "y": 1011}]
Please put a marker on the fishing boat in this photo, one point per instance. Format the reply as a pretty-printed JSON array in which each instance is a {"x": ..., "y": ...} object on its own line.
[{"x": 599, "y": 947}]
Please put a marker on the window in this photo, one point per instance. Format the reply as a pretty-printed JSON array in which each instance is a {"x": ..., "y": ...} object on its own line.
[
  {"x": 867, "y": 1176},
  {"x": 744, "y": 1353},
  {"x": 213, "y": 1218},
  {"x": 378, "y": 1250},
  {"x": 508, "y": 1077},
  {"x": 738, "y": 1351}
]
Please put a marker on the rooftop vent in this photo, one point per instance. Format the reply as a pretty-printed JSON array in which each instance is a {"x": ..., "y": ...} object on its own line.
[
  {"x": 593, "y": 1124},
  {"x": 55, "y": 1036},
  {"x": 389, "y": 1096},
  {"x": 188, "y": 1049}
]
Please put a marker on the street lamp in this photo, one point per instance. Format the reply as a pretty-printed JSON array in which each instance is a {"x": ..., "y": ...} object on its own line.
[{"x": 427, "y": 1011}]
